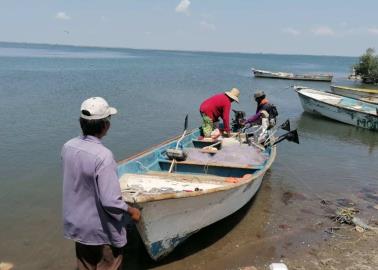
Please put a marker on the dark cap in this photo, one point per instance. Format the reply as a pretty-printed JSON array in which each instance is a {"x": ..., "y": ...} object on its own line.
[{"x": 259, "y": 94}]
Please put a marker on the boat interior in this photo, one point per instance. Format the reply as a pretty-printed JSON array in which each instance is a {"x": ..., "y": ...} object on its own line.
[
  {"x": 342, "y": 101},
  {"x": 232, "y": 163}
]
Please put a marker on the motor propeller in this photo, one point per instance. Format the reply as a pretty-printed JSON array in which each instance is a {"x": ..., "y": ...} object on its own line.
[{"x": 291, "y": 136}]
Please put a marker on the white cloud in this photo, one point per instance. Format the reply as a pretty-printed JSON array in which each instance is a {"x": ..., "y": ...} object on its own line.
[
  {"x": 207, "y": 26},
  {"x": 291, "y": 31},
  {"x": 183, "y": 7},
  {"x": 373, "y": 30},
  {"x": 323, "y": 31},
  {"x": 62, "y": 16}
]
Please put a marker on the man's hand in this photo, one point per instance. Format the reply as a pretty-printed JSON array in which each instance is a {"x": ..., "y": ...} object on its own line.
[{"x": 134, "y": 213}]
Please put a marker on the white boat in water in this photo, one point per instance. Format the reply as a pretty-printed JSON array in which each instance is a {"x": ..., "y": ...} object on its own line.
[
  {"x": 347, "y": 110},
  {"x": 201, "y": 190},
  {"x": 364, "y": 94},
  {"x": 292, "y": 76}
]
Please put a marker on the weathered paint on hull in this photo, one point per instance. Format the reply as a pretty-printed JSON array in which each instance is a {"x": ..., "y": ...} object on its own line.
[
  {"x": 340, "y": 114},
  {"x": 295, "y": 77},
  {"x": 167, "y": 223}
]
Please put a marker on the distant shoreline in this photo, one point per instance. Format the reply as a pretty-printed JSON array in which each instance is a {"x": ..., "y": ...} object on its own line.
[{"x": 164, "y": 50}]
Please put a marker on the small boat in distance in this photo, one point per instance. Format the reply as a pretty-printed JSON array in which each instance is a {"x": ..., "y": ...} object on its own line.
[
  {"x": 291, "y": 76},
  {"x": 347, "y": 110},
  {"x": 364, "y": 94},
  {"x": 201, "y": 190}
]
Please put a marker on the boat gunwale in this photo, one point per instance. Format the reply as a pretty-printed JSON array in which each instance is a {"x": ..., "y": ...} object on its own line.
[
  {"x": 346, "y": 88},
  {"x": 184, "y": 194},
  {"x": 366, "y": 99},
  {"x": 337, "y": 105}
]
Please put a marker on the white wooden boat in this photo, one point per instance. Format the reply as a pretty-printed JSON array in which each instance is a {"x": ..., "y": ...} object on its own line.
[
  {"x": 347, "y": 110},
  {"x": 364, "y": 94},
  {"x": 202, "y": 189},
  {"x": 292, "y": 76}
]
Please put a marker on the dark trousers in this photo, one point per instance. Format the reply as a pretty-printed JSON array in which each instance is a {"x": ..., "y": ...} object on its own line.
[{"x": 103, "y": 257}]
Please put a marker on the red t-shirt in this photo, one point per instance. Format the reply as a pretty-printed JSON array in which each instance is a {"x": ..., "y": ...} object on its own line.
[{"x": 217, "y": 106}]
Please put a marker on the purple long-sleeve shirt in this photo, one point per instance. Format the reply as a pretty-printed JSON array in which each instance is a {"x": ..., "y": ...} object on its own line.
[
  {"x": 263, "y": 105},
  {"x": 93, "y": 210},
  {"x": 253, "y": 118}
]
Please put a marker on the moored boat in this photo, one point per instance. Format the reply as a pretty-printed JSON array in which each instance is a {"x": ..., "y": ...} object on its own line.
[
  {"x": 292, "y": 76},
  {"x": 347, "y": 110},
  {"x": 203, "y": 189},
  {"x": 364, "y": 94}
]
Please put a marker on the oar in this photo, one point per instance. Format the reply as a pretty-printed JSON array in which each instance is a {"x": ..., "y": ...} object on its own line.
[
  {"x": 183, "y": 135},
  {"x": 172, "y": 164},
  {"x": 178, "y": 142}
]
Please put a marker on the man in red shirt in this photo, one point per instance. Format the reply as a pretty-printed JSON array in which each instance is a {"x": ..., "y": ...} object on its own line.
[{"x": 217, "y": 106}]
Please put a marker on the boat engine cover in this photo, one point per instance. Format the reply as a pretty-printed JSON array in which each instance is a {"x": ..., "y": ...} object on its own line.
[{"x": 176, "y": 154}]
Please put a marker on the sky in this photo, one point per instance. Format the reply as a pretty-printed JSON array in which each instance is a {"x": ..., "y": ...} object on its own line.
[{"x": 332, "y": 27}]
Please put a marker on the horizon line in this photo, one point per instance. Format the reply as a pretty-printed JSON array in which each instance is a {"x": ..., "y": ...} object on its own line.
[{"x": 171, "y": 50}]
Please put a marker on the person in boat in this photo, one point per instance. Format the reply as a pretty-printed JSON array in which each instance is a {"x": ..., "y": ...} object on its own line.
[
  {"x": 215, "y": 107},
  {"x": 94, "y": 214},
  {"x": 264, "y": 110}
]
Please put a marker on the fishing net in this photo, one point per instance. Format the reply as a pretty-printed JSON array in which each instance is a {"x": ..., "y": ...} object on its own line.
[{"x": 236, "y": 154}]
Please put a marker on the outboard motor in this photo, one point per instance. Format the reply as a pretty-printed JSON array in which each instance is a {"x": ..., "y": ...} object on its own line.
[{"x": 237, "y": 120}]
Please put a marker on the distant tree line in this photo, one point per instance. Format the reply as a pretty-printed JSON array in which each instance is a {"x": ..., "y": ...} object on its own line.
[{"x": 367, "y": 67}]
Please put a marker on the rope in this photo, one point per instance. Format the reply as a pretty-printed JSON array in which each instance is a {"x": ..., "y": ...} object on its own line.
[{"x": 206, "y": 167}]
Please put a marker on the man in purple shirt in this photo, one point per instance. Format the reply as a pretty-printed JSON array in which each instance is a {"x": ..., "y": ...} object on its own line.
[
  {"x": 93, "y": 210},
  {"x": 264, "y": 110}
]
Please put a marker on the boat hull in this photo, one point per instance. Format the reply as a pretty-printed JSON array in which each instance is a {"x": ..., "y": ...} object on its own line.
[
  {"x": 344, "y": 115},
  {"x": 167, "y": 223},
  {"x": 289, "y": 76},
  {"x": 365, "y": 95},
  {"x": 168, "y": 219}
]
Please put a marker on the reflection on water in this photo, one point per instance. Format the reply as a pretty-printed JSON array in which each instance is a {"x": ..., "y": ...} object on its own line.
[{"x": 323, "y": 127}]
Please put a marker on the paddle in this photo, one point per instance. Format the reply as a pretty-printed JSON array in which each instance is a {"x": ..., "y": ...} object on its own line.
[{"x": 176, "y": 152}]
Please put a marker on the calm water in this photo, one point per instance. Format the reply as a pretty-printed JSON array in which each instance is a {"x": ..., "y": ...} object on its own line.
[{"x": 42, "y": 87}]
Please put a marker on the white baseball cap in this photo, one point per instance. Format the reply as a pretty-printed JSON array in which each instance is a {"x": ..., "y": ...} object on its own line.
[{"x": 97, "y": 107}]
